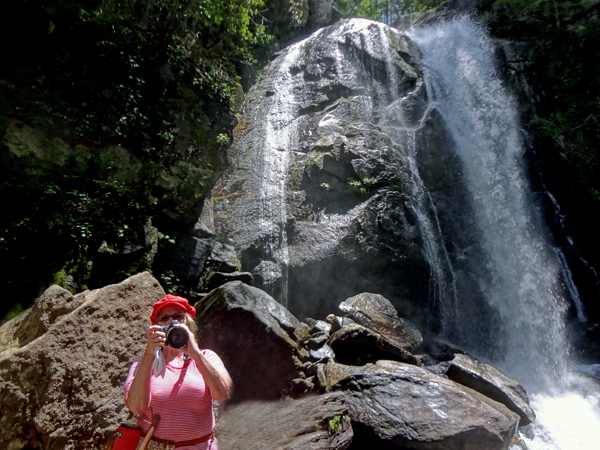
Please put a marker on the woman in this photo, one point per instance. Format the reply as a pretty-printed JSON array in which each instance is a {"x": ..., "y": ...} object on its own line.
[{"x": 183, "y": 395}]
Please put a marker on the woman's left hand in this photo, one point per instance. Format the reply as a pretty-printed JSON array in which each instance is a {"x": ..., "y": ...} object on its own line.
[{"x": 192, "y": 345}]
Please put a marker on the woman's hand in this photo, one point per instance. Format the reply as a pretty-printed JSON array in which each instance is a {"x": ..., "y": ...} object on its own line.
[
  {"x": 219, "y": 383},
  {"x": 156, "y": 339},
  {"x": 192, "y": 346},
  {"x": 138, "y": 398}
]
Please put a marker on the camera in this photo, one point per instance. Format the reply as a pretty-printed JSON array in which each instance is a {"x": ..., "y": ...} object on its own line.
[{"x": 176, "y": 337}]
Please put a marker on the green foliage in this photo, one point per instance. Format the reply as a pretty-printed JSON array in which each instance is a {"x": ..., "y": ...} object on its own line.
[
  {"x": 336, "y": 423},
  {"x": 111, "y": 112},
  {"x": 563, "y": 69},
  {"x": 118, "y": 71},
  {"x": 14, "y": 312},
  {"x": 566, "y": 68},
  {"x": 172, "y": 284},
  {"x": 361, "y": 187},
  {"x": 164, "y": 240},
  {"x": 169, "y": 281},
  {"x": 386, "y": 11},
  {"x": 223, "y": 139},
  {"x": 60, "y": 278},
  {"x": 295, "y": 180},
  {"x": 305, "y": 211}
]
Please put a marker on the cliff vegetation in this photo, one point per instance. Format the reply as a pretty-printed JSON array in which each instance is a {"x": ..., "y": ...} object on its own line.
[
  {"x": 561, "y": 63},
  {"x": 114, "y": 116}
]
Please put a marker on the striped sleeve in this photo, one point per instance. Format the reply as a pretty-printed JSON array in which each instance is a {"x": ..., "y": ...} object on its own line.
[
  {"x": 131, "y": 374},
  {"x": 216, "y": 361}
]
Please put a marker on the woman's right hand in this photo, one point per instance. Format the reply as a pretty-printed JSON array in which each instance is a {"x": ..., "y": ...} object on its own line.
[{"x": 156, "y": 338}]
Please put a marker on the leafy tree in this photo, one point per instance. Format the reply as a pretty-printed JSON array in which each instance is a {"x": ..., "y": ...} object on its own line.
[
  {"x": 112, "y": 112},
  {"x": 386, "y": 11}
]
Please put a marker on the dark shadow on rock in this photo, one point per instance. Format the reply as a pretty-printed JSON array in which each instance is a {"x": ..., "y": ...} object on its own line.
[
  {"x": 365, "y": 438},
  {"x": 317, "y": 289}
]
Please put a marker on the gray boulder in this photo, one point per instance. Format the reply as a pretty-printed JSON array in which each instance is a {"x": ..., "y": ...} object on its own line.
[
  {"x": 317, "y": 347},
  {"x": 53, "y": 304},
  {"x": 487, "y": 380},
  {"x": 377, "y": 313},
  {"x": 317, "y": 340},
  {"x": 257, "y": 338},
  {"x": 61, "y": 383},
  {"x": 192, "y": 259},
  {"x": 205, "y": 225},
  {"x": 322, "y": 12},
  {"x": 318, "y": 327},
  {"x": 439, "y": 368},
  {"x": 187, "y": 257},
  {"x": 322, "y": 354},
  {"x": 316, "y": 422},
  {"x": 406, "y": 406},
  {"x": 222, "y": 257},
  {"x": 355, "y": 344},
  {"x": 215, "y": 279}
]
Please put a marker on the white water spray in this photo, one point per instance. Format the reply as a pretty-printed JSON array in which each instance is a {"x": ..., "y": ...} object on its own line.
[{"x": 520, "y": 279}]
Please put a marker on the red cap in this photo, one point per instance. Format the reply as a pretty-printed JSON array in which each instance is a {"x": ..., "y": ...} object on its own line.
[{"x": 171, "y": 300}]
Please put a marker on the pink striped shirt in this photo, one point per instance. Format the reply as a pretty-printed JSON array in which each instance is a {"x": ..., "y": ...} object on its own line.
[{"x": 183, "y": 401}]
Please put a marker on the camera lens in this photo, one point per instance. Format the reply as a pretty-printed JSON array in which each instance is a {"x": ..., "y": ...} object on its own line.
[{"x": 176, "y": 337}]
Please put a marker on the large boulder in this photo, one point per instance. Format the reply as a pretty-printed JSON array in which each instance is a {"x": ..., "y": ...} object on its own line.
[
  {"x": 489, "y": 381},
  {"x": 405, "y": 406},
  {"x": 319, "y": 186},
  {"x": 258, "y": 339},
  {"x": 215, "y": 279},
  {"x": 54, "y": 303},
  {"x": 314, "y": 422},
  {"x": 355, "y": 344},
  {"x": 376, "y": 312},
  {"x": 193, "y": 259},
  {"x": 61, "y": 386}
]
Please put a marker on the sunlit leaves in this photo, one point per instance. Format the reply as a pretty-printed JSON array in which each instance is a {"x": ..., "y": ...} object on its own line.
[{"x": 383, "y": 10}]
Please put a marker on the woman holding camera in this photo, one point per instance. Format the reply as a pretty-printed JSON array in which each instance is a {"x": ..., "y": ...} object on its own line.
[{"x": 182, "y": 395}]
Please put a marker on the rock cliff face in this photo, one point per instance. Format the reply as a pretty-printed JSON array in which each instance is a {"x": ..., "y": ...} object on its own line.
[{"x": 320, "y": 176}]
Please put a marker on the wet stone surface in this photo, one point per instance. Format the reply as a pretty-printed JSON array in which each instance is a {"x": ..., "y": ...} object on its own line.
[{"x": 318, "y": 182}]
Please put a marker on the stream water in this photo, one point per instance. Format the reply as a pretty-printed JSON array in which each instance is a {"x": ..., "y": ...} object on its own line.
[{"x": 521, "y": 277}]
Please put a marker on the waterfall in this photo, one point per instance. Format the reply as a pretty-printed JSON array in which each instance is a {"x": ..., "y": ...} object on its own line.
[
  {"x": 442, "y": 289},
  {"x": 518, "y": 271}
]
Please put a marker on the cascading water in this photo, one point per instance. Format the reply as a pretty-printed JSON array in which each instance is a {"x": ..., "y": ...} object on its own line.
[
  {"x": 518, "y": 272},
  {"x": 272, "y": 209},
  {"x": 442, "y": 289},
  {"x": 481, "y": 118}
]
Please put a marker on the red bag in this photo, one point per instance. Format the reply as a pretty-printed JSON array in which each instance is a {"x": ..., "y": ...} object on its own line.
[{"x": 128, "y": 437}]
